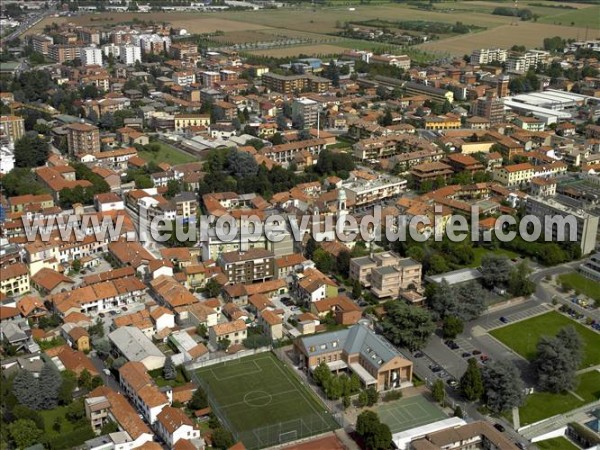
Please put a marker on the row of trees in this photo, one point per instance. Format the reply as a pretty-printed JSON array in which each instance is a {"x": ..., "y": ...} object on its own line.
[{"x": 558, "y": 359}]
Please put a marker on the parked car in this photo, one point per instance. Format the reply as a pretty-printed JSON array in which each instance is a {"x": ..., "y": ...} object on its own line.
[
  {"x": 476, "y": 352},
  {"x": 499, "y": 427},
  {"x": 521, "y": 445},
  {"x": 106, "y": 372},
  {"x": 484, "y": 358},
  {"x": 504, "y": 319},
  {"x": 418, "y": 354},
  {"x": 435, "y": 368},
  {"x": 466, "y": 355},
  {"x": 124, "y": 308}
]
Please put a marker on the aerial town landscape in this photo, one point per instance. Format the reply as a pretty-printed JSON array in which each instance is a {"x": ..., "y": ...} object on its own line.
[{"x": 335, "y": 224}]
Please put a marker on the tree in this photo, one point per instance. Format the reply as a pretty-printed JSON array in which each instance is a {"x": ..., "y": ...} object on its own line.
[
  {"x": 68, "y": 385},
  {"x": 407, "y": 325},
  {"x": 85, "y": 379},
  {"x": 356, "y": 289},
  {"x": 346, "y": 401},
  {"x": 109, "y": 427},
  {"x": 342, "y": 262},
  {"x": 438, "y": 391},
  {"x": 222, "y": 438},
  {"x": 453, "y": 326},
  {"x": 557, "y": 361},
  {"x": 311, "y": 246},
  {"x": 31, "y": 151},
  {"x": 503, "y": 387},
  {"x": 458, "y": 412},
  {"x": 224, "y": 344},
  {"x": 212, "y": 288},
  {"x": 173, "y": 188},
  {"x": 372, "y": 395},
  {"x": 76, "y": 265},
  {"x": 471, "y": 384},
  {"x": 201, "y": 330},
  {"x": 323, "y": 260},
  {"x": 495, "y": 270},
  {"x": 169, "y": 369},
  {"x": 24, "y": 433},
  {"x": 519, "y": 283},
  {"x": 386, "y": 120},
  {"x": 242, "y": 164},
  {"x": 376, "y": 435},
  {"x": 198, "y": 400},
  {"x": 26, "y": 389},
  {"x": 363, "y": 399}
]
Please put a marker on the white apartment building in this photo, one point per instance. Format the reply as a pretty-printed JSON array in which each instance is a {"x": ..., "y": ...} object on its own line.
[
  {"x": 306, "y": 110},
  {"x": 111, "y": 49},
  {"x": 522, "y": 62},
  {"x": 488, "y": 55},
  {"x": 129, "y": 54},
  {"x": 362, "y": 192},
  {"x": 91, "y": 56},
  {"x": 587, "y": 223}
]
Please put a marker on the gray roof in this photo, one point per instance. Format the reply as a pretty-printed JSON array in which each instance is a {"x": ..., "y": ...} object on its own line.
[
  {"x": 133, "y": 344},
  {"x": 455, "y": 277},
  {"x": 356, "y": 339},
  {"x": 385, "y": 270}
]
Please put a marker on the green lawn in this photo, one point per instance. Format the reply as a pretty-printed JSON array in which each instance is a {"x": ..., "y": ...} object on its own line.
[
  {"x": 263, "y": 401},
  {"x": 167, "y": 154},
  {"x": 542, "y": 405},
  {"x": 523, "y": 336},
  {"x": 559, "y": 443},
  {"x": 584, "y": 17},
  {"x": 50, "y": 416},
  {"x": 161, "y": 382},
  {"x": 479, "y": 252},
  {"x": 582, "y": 284}
]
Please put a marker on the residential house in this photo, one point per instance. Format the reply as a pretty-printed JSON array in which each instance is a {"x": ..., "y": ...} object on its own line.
[
  {"x": 234, "y": 332},
  {"x": 141, "y": 389},
  {"x": 14, "y": 280},
  {"x": 134, "y": 346},
  {"x": 173, "y": 424}
]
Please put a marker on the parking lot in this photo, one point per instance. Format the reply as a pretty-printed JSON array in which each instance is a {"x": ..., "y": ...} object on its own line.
[{"x": 514, "y": 317}]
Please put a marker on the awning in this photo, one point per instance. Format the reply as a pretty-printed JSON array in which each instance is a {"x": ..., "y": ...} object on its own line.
[{"x": 362, "y": 373}]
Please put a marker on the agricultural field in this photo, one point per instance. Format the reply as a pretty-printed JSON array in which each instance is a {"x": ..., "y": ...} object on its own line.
[
  {"x": 528, "y": 34},
  {"x": 311, "y": 50},
  {"x": 318, "y": 25}
]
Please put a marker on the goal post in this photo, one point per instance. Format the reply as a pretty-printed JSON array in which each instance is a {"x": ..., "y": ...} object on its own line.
[{"x": 288, "y": 436}]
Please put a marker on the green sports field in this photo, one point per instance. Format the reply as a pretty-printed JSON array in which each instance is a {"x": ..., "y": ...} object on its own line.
[
  {"x": 263, "y": 401},
  {"x": 408, "y": 413},
  {"x": 523, "y": 336}
]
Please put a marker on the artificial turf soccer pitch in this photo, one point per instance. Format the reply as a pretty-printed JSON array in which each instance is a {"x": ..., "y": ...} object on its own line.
[{"x": 263, "y": 401}]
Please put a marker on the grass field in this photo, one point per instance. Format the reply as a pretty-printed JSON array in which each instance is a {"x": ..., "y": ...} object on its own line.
[
  {"x": 50, "y": 416},
  {"x": 312, "y": 50},
  {"x": 264, "y": 401},
  {"x": 541, "y": 405},
  {"x": 559, "y": 443},
  {"x": 523, "y": 336},
  {"x": 409, "y": 413},
  {"x": 582, "y": 284},
  {"x": 167, "y": 154}
]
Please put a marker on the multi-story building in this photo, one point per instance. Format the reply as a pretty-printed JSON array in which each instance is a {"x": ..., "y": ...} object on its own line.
[
  {"x": 235, "y": 332},
  {"x": 491, "y": 107},
  {"x": 184, "y": 78},
  {"x": 442, "y": 123},
  {"x": 64, "y": 52},
  {"x": 129, "y": 54},
  {"x": 209, "y": 78},
  {"x": 12, "y": 127},
  {"x": 530, "y": 123},
  {"x": 285, "y": 153},
  {"x": 586, "y": 222},
  {"x": 186, "y": 205},
  {"x": 363, "y": 192},
  {"x": 173, "y": 424},
  {"x": 41, "y": 43},
  {"x": 437, "y": 94},
  {"x": 488, "y": 55},
  {"x": 83, "y": 138},
  {"x": 91, "y": 56},
  {"x": 184, "y": 121},
  {"x": 142, "y": 390},
  {"x": 591, "y": 267},
  {"x": 515, "y": 175},
  {"x": 522, "y": 62},
  {"x": 14, "y": 280},
  {"x": 305, "y": 111},
  {"x": 288, "y": 84},
  {"x": 358, "y": 349},
  {"x": 386, "y": 273},
  {"x": 252, "y": 265}
]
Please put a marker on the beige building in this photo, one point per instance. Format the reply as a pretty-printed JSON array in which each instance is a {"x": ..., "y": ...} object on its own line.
[
  {"x": 184, "y": 121},
  {"x": 12, "y": 127},
  {"x": 255, "y": 264},
  {"x": 83, "y": 138},
  {"x": 515, "y": 175},
  {"x": 235, "y": 332},
  {"x": 356, "y": 350},
  {"x": 14, "y": 280},
  {"x": 386, "y": 273}
]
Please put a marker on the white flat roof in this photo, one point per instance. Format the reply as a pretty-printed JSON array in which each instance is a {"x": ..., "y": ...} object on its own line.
[
  {"x": 404, "y": 438},
  {"x": 363, "y": 374}
]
